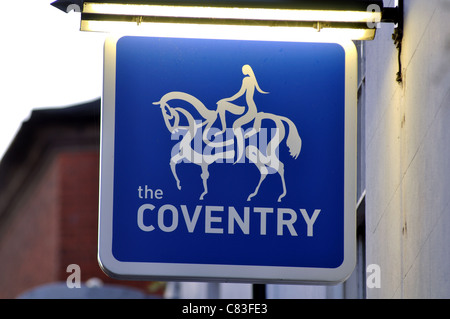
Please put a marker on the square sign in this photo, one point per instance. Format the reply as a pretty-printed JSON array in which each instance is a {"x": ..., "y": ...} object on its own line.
[{"x": 228, "y": 160}]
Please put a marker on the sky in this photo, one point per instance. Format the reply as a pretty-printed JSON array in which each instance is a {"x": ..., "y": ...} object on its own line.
[{"x": 45, "y": 62}]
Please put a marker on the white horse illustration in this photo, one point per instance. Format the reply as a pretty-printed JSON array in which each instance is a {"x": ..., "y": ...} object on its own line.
[{"x": 267, "y": 162}]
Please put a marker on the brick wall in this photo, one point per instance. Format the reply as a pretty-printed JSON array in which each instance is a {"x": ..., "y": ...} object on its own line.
[
  {"x": 29, "y": 237},
  {"x": 79, "y": 201},
  {"x": 54, "y": 224},
  {"x": 79, "y": 181}
]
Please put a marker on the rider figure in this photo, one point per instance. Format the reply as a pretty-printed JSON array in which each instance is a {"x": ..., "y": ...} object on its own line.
[{"x": 249, "y": 84}]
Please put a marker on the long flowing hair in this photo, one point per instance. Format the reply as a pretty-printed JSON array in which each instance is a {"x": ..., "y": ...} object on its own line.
[{"x": 247, "y": 70}]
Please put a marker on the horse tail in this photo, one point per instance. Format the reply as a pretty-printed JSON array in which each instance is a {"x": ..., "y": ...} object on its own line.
[{"x": 293, "y": 142}]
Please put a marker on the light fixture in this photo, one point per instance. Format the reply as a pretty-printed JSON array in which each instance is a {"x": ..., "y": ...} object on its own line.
[{"x": 355, "y": 19}]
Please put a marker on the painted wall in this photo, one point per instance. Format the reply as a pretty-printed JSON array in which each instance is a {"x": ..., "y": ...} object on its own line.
[{"x": 408, "y": 155}]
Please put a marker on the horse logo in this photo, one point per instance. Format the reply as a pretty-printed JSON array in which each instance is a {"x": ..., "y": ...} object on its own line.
[{"x": 217, "y": 139}]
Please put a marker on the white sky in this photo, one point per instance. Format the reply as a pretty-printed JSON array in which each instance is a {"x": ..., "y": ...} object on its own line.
[{"x": 45, "y": 61}]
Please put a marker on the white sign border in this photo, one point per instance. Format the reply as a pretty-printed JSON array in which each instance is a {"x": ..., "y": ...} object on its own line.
[{"x": 213, "y": 272}]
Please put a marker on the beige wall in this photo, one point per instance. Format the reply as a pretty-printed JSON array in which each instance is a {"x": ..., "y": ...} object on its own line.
[{"x": 408, "y": 155}]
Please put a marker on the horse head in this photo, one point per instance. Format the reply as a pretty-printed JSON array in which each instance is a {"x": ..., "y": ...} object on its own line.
[{"x": 170, "y": 115}]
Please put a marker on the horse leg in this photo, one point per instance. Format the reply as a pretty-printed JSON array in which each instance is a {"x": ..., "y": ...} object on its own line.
[
  {"x": 240, "y": 143},
  {"x": 173, "y": 163},
  {"x": 251, "y": 153},
  {"x": 283, "y": 182},
  {"x": 204, "y": 176},
  {"x": 263, "y": 176}
]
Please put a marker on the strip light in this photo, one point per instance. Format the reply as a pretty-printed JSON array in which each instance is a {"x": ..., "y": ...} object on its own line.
[
  {"x": 235, "y": 32},
  {"x": 231, "y": 13},
  {"x": 350, "y": 19}
]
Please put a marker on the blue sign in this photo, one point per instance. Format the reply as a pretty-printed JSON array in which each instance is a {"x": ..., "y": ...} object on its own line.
[{"x": 228, "y": 159}]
